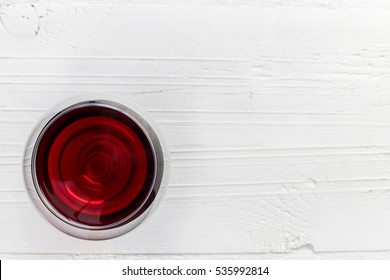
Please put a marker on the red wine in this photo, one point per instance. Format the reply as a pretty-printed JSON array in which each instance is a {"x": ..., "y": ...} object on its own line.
[{"x": 94, "y": 165}]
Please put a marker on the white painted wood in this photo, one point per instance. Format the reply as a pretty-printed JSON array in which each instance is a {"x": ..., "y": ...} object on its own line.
[{"x": 276, "y": 116}]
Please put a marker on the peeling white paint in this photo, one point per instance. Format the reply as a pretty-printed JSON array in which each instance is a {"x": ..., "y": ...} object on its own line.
[{"x": 22, "y": 21}]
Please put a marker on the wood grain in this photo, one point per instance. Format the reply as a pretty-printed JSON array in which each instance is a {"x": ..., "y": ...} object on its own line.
[{"x": 276, "y": 116}]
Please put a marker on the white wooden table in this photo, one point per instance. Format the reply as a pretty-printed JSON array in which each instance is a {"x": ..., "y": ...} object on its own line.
[{"x": 277, "y": 115}]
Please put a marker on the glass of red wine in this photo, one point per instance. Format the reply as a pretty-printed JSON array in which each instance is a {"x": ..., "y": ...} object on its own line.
[{"x": 95, "y": 167}]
